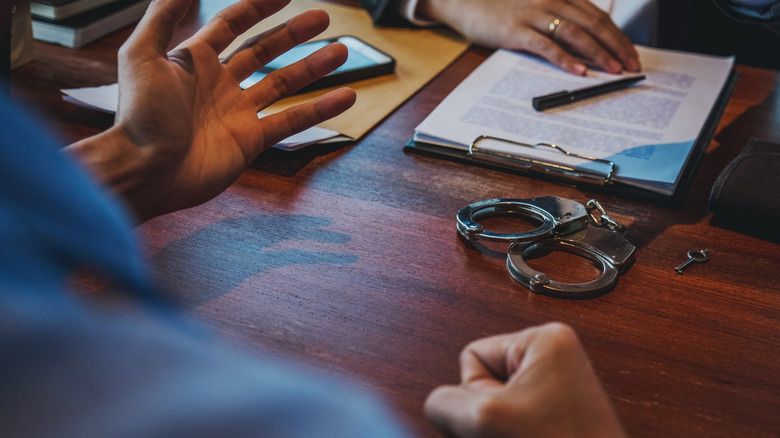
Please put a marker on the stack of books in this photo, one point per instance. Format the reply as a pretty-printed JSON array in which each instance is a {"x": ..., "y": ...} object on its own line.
[{"x": 76, "y": 23}]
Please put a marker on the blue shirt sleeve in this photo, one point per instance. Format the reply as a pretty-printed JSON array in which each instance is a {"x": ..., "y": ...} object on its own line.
[{"x": 69, "y": 369}]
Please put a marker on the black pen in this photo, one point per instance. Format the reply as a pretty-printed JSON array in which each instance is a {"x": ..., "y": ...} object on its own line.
[{"x": 553, "y": 100}]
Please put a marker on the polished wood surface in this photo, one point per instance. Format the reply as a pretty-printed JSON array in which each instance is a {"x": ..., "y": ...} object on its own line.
[{"x": 346, "y": 258}]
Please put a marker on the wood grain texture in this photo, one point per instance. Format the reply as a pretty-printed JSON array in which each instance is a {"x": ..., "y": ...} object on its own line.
[{"x": 346, "y": 258}]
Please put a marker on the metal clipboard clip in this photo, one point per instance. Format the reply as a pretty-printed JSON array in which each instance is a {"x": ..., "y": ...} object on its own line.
[{"x": 534, "y": 165}]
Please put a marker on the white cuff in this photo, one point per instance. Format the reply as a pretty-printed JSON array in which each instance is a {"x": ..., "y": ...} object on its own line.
[{"x": 408, "y": 9}]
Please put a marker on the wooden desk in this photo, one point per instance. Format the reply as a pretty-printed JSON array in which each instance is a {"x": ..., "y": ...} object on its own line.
[{"x": 347, "y": 259}]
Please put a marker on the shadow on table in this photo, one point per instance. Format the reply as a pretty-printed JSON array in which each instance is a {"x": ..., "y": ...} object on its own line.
[{"x": 215, "y": 260}]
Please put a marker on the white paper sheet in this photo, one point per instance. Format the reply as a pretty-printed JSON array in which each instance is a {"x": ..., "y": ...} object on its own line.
[
  {"x": 106, "y": 98},
  {"x": 648, "y": 130}
]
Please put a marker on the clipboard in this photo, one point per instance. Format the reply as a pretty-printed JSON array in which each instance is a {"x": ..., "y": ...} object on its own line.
[{"x": 600, "y": 182}]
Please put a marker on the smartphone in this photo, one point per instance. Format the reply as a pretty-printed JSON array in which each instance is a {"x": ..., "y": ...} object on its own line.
[{"x": 363, "y": 62}]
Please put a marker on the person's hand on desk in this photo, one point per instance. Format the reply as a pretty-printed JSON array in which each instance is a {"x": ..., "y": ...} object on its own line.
[
  {"x": 184, "y": 129},
  {"x": 583, "y": 30},
  {"x": 534, "y": 383}
]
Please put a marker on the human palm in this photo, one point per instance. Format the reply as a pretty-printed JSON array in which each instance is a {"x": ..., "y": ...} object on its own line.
[{"x": 185, "y": 129}]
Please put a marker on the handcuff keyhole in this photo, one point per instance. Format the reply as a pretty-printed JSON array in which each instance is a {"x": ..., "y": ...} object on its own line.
[{"x": 563, "y": 266}]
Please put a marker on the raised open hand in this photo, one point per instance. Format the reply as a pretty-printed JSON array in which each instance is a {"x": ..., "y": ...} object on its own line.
[{"x": 184, "y": 129}]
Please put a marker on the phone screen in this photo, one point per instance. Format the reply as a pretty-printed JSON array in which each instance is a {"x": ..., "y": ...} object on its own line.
[{"x": 363, "y": 61}]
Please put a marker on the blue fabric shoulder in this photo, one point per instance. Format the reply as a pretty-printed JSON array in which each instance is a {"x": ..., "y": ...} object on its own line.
[
  {"x": 129, "y": 373},
  {"x": 53, "y": 217}
]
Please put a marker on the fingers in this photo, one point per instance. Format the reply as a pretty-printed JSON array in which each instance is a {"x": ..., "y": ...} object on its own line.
[
  {"x": 236, "y": 19},
  {"x": 277, "y": 127},
  {"x": 155, "y": 30},
  {"x": 523, "y": 383},
  {"x": 456, "y": 411},
  {"x": 575, "y": 39},
  {"x": 481, "y": 405},
  {"x": 492, "y": 361},
  {"x": 283, "y": 82},
  {"x": 553, "y": 52},
  {"x": 592, "y": 33},
  {"x": 263, "y": 48}
]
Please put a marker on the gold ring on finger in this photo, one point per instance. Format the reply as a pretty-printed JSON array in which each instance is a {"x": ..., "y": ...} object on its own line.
[{"x": 553, "y": 26}]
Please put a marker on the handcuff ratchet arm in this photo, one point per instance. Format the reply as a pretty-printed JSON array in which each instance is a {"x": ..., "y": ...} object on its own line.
[{"x": 557, "y": 216}]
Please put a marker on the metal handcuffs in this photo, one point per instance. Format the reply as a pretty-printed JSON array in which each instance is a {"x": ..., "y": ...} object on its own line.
[{"x": 565, "y": 225}]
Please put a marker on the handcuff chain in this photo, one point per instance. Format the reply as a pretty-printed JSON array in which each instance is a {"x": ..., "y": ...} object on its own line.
[{"x": 603, "y": 220}]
